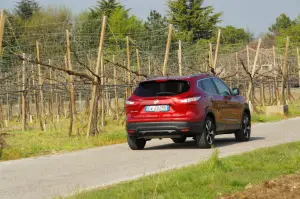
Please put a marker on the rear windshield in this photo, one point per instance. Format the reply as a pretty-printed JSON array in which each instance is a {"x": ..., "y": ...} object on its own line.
[{"x": 168, "y": 88}]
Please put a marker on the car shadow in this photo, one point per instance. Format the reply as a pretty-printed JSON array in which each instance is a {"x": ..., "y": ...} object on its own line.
[{"x": 190, "y": 144}]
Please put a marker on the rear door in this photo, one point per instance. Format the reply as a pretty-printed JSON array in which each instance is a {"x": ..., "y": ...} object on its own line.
[
  {"x": 231, "y": 113},
  {"x": 157, "y": 100},
  {"x": 216, "y": 101}
]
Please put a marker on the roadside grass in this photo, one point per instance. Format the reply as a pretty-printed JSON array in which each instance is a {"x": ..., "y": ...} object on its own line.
[
  {"x": 55, "y": 140},
  {"x": 210, "y": 179},
  {"x": 294, "y": 111}
]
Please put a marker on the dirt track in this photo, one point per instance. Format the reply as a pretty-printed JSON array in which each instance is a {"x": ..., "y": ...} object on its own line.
[{"x": 49, "y": 176}]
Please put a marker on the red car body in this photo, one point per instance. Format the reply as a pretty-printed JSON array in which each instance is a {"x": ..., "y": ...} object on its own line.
[{"x": 179, "y": 107}]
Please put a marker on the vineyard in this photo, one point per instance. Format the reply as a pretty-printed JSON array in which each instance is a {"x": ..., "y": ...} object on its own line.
[{"x": 73, "y": 78}]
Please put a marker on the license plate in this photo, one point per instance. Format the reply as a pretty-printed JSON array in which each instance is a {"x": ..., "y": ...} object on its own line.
[{"x": 162, "y": 108}]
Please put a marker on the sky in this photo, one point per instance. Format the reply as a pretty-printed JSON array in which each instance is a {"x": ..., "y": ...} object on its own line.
[{"x": 255, "y": 15}]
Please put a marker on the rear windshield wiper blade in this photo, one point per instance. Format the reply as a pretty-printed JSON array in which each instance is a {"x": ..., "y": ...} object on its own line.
[{"x": 165, "y": 93}]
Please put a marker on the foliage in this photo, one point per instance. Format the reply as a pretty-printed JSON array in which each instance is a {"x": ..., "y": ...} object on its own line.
[
  {"x": 121, "y": 24},
  {"x": 293, "y": 32},
  {"x": 282, "y": 22},
  {"x": 285, "y": 27},
  {"x": 105, "y": 8},
  {"x": 233, "y": 35},
  {"x": 192, "y": 19},
  {"x": 26, "y": 8},
  {"x": 155, "y": 21}
]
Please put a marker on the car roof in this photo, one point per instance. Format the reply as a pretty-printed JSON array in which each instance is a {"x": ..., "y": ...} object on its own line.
[{"x": 186, "y": 77}]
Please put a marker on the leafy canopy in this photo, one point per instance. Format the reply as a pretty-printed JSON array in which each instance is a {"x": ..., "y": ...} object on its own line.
[
  {"x": 105, "y": 8},
  {"x": 282, "y": 22},
  {"x": 233, "y": 35},
  {"x": 26, "y": 8},
  {"x": 192, "y": 19}
]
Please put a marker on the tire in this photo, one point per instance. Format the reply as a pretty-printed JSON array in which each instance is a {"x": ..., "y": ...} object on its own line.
[
  {"x": 244, "y": 134},
  {"x": 179, "y": 140},
  {"x": 136, "y": 144},
  {"x": 207, "y": 138}
]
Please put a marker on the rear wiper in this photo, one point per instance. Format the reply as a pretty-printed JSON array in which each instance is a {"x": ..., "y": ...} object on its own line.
[{"x": 165, "y": 93}]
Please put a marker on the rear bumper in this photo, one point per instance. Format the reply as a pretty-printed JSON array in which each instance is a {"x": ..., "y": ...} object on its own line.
[{"x": 151, "y": 130}]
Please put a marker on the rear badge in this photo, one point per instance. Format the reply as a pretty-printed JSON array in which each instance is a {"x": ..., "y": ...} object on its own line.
[{"x": 156, "y": 102}]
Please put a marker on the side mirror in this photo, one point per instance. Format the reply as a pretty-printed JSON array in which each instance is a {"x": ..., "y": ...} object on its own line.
[{"x": 235, "y": 91}]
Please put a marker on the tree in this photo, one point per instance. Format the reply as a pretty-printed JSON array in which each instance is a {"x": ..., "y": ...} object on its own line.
[
  {"x": 233, "y": 35},
  {"x": 285, "y": 27},
  {"x": 192, "y": 19},
  {"x": 282, "y": 22},
  {"x": 26, "y": 8},
  {"x": 46, "y": 18},
  {"x": 293, "y": 32},
  {"x": 121, "y": 24},
  {"x": 105, "y": 7},
  {"x": 155, "y": 21},
  {"x": 156, "y": 31}
]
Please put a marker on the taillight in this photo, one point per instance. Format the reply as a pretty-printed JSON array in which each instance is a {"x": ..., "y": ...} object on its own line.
[
  {"x": 130, "y": 102},
  {"x": 190, "y": 100}
]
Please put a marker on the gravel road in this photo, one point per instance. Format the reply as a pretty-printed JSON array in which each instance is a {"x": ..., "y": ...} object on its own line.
[{"x": 49, "y": 176}]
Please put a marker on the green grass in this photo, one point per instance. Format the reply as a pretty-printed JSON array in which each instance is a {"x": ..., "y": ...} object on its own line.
[
  {"x": 294, "y": 111},
  {"x": 55, "y": 140},
  {"x": 209, "y": 179}
]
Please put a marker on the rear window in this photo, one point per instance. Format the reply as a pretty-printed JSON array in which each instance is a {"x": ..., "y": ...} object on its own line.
[{"x": 168, "y": 88}]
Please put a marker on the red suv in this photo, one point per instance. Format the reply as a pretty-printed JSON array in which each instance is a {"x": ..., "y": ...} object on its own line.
[{"x": 198, "y": 106}]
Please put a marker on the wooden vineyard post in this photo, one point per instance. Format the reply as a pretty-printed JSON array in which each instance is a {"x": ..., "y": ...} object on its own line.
[
  {"x": 42, "y": 115},
  {"x": 71, "y": 85},
  {"x": 298, "y": 59},
  {"x": 56, "y": 97},
  {"x": 20, "y": 96},
  {"x": 284, "y": 71},
  {"x": 65, "y": 110},
  {"x": 167, "y": 50},
  {"x": 23, "y": 94},
  {"x": 248, "y": 59},
  {"x": 250, "y": 89},
  {"x": 217, "y": 51},
  {"x": 138, "y": 64},
  {"x": 7, "y": 105},
  {"x": 1, "y": 115},
  {"x": 263, "y": 96},
  {"x": 180, "y": 58},
  {"x": 93, "y": 120},
  {"x": 210, "y": 57},
  {"x": 35, "y": 96},
  {"x": 237, "y": 70},
  {"x": 289, "y": 93},
  {"x": 128, "y": 67},
  {"x": 51, "y": 98},
  {"x": 2, "y": 22},
  {"x": 102, "y": 93},
  {"x": 275, "y": 78},
  {"x": 116, "y": 90}
]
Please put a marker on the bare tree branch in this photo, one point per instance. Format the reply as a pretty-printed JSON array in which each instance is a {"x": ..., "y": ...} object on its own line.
[
  {"x": 124, "y": 67},
  {"x": 69, "y": 72}
]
